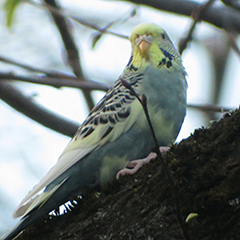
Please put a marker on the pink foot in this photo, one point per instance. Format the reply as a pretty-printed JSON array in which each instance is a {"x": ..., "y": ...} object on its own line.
[
  {"x": 133, "y": 166},
  {"x": 164, "y": 149}
]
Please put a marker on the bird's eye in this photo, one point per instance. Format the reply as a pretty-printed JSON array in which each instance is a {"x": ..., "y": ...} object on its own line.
[{"x": 163, "y": 36}]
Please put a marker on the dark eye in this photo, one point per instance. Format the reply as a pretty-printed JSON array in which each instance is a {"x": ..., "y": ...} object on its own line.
[{"x": 163, "y": 36}]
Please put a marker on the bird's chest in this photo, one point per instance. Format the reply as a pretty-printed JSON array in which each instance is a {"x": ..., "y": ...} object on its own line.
[
  {"x": 165, "y": 100},
  {"x": 158, "y": 90}
]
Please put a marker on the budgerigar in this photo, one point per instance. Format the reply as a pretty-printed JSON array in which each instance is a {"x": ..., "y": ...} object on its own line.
[{"x": 116, "y": 130}]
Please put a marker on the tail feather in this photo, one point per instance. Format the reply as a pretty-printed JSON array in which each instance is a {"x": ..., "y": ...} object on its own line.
[
  {"x": 69, "y": 184},
  {"x": 14, "y": 232},
  {"x": 21, "y": 225},
  {"x": 33, "y": 216},
  {"x": 40, "y": 207}
]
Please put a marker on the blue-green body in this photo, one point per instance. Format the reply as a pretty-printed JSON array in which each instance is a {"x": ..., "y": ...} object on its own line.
[{"x": 165, "y": 90}]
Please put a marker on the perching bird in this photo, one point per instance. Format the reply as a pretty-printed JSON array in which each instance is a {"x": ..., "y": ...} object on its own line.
[{"x": 116, "y": 130}]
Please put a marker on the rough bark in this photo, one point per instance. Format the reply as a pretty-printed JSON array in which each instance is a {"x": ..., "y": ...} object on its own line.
[{"x": 206, "y": 170}]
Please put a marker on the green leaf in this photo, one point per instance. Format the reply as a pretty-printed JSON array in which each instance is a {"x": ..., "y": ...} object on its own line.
[{"x": 10, "y": 8}]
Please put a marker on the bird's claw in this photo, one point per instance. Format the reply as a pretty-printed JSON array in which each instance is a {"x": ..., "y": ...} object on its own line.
[{"x": 133, "y": 166}]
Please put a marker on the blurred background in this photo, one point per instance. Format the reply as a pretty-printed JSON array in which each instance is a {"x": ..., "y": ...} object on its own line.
[{"x": 33, "y": 39}]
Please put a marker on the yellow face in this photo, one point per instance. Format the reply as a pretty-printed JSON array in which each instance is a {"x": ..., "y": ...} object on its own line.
[{"x": 151, "y": 45}]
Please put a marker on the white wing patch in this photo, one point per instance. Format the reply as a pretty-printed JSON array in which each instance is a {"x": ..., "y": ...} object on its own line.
[{"x": 38, "y": 200}]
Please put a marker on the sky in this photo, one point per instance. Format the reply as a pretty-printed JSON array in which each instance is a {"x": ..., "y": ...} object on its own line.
[{"x": 27, "y": 149}]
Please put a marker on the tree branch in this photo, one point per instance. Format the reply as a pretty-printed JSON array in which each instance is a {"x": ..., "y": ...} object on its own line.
[
  {"x": 197, "y": 15},
  {"x": 50, "y": 73},
  {"x": 232, "y": 3},
  {"x": 73, "y": 56},
  {"x": 221, "y": 17},
  {"x": 13, "y": 97},
  {"x": 56, "y": 82}
]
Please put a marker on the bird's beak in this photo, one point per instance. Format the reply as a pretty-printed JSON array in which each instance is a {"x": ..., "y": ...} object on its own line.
[
  {"x": 144, "y": 46},
  {"x": 144, "y": 42}
]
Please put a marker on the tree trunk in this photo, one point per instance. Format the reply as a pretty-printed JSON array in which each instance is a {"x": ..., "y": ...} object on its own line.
[{"x": 206, "y": 171}]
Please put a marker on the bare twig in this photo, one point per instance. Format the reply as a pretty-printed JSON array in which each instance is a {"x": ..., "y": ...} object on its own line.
[
  {"x": 99, "y": 34},
  {"x": 232, "y": 37},
  {"x": 64, "y": 28},
  {"x": 196, "y": 15},
  {"x": 143, "y": 102},
  {"x": 210, "y": 108},
  {"x": 13, "y": 97},
  {"x": 51, "y": 73},
  {"x": 64, "y": 13},
  {"x": 56, "y": 82}
]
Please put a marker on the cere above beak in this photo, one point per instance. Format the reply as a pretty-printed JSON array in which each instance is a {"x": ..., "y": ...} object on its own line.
[{"x": 144, "y": 42}]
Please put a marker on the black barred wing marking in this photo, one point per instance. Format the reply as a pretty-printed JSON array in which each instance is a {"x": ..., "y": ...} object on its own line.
[{"x": 114, "y": 107}]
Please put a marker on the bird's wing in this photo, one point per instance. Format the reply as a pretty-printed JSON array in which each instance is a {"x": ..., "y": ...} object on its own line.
[{"x": 110, "y": 118}]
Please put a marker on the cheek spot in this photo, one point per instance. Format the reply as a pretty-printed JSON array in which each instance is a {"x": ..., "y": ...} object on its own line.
[{"x": 169, "y": 64}]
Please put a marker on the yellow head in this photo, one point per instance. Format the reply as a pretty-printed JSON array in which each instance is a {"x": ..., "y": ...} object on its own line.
[{"x": 151, "y": 45}]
